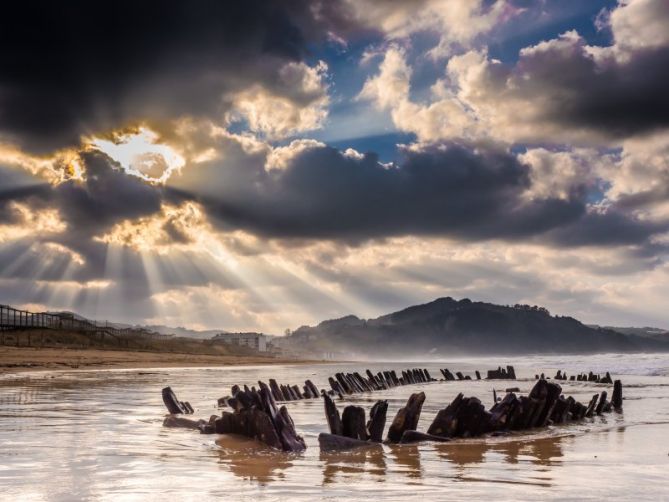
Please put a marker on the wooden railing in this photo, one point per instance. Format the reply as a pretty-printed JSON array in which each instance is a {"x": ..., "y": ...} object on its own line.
[{"x": 17, "y": 319}]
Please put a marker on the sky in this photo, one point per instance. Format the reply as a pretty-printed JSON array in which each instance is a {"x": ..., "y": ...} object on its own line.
[{"x": 262, "y": 165}]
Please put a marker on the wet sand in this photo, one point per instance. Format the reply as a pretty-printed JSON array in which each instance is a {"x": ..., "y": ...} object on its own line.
[
  {"x": 18, "y": 359},
  {"x": 99, "y": 435}
]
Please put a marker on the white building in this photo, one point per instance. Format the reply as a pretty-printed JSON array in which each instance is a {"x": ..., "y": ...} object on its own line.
[{"x": 256, "y": 341}]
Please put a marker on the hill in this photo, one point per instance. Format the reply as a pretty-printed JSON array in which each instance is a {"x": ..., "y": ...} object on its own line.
[
  {"x": 449, "y": 327},
  {"x": 645, "y": 332}
]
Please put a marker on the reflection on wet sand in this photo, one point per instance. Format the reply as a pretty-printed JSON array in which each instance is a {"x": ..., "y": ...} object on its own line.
[
  {"x": 250, "y": 459},
  {"x": 539, "y": 451},
  {"x": 407, "y": 457},
  {"x": 351, "y": 463}
]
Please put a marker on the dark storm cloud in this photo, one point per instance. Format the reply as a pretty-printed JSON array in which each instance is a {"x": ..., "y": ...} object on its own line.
[
  {"x": 72, "y": 68},
  {"x": 617, "y": 98},
  {"x": 33, "y": 196},
  {"x": 448, "y": 190},
  {"x": 17, "y": 185},
  {"x": 107, "y": 196},
  {"x": 611, "y": 228}
]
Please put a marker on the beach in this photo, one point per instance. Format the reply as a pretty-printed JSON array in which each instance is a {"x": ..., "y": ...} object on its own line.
[
  {"x": 100, "y": 434},
  {"x": 14, "y": 359}
]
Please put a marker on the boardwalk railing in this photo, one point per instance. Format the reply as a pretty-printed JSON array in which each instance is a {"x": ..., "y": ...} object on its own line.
[{"x": 16, "y": 319}]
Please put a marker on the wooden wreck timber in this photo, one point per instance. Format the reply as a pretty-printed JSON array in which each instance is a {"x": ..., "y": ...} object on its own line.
[
  {"x": 585, "y": 377},
  {"x": 342, "y": 384},
  {"x": 500, "y": 373},
  {"x": 254, "y": 415},
  {"x": 350, "y": 430},
  {"x": 173, "y": 405},
  {"x": 508, "y": 373},
  {"x": 617, "y": 397},
  {"x": 406, "y": 418},
  {"x": 448, "y": 376},
  {"x": 467, "y": 417},
  {"x": 280, "y": 393},
  {"x": 464, "y": 417}
]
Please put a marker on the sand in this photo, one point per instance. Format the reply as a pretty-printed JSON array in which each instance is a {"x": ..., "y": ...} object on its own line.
[{"x": 15, "y": 359}]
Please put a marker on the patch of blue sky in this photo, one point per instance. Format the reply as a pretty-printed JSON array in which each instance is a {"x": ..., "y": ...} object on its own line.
[{"x": 547, "y": 22}]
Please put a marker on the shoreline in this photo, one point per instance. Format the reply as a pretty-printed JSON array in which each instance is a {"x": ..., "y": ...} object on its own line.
[{"x": 15, "y": 360}]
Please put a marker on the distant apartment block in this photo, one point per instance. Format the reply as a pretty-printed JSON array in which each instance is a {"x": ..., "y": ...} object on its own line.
[{"x": 256, "y": 341}]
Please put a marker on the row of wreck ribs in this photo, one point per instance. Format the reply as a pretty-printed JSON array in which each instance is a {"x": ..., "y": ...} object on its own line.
[
  {"x": 464, "y": 417},
  {"x": 354, "y": 383},
  {"x": 341, "y": 384},
  {"x": 583, "y": 377},
  {"x": 255, "y": 414},
  {"x": 500, "y": 373}
]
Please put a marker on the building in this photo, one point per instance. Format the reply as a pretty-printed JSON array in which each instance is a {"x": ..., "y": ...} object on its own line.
[{"x": 256, "y": 341}]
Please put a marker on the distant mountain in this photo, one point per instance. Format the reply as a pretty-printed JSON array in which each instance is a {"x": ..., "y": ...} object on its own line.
[
  {"x": 645, "y": 332},
  {"x": 450, "y": 327}
]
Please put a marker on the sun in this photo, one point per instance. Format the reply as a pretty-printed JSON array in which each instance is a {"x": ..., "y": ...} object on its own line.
[{"x": 141, "y": 154}]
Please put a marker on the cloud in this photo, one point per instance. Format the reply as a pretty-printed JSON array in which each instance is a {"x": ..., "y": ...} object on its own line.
[
  {"x": 274, "y": 115},
  {"x": 639, "y": 24},
  {"x": 560, "y": 173},
  {"x": 559, "y": 91},
  {"x": 457, "y": 23},
  {"x": 460, "y": 190},
  {"x": 80, "y": 70}
]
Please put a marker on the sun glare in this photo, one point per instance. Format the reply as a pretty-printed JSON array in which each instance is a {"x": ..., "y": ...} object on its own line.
[{"x": 141, "y": 155}]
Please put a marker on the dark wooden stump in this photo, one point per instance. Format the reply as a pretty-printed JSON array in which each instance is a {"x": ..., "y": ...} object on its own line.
[
  {"x": 617, "y": 397},
  {"x": 407, "y": 417},
  {"x": 591, "y": 407},
  {"x": 377, "y": 421},
  {"x": 314, "y": 390},
  {"x": 444, "y": 423},
  {"x": 345, "y": 385},
  {"x": 332, "y": 415},
  {"x": 173, "y": 405},
  {"x": 353, "y": 422},
  {"x": 396, "y": 380},
  {"x": 336, "y": 387},
  {"x": 502, "y": 412},
  {"x": 547, "y": 395},
  {"x": 277, "y": 394},
  {"x": 602, "y": 403},
  {"x": 296, "y": 391},
  {"x": 283, "y": 424}
]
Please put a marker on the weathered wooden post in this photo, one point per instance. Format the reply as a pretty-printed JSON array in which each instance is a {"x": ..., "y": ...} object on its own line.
[
  {"x": 173, "y": 405},
  {"x": 407, "y": 417},
  {"x": 617, "y": 397},
  {"x": 353, "y": 422},
  {"x": 332, "y": 415},
  {"x": 377, "y": 421}
]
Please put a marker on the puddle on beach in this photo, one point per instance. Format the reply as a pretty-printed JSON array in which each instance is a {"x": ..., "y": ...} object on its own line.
[{"x": 79, "y": 435}]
